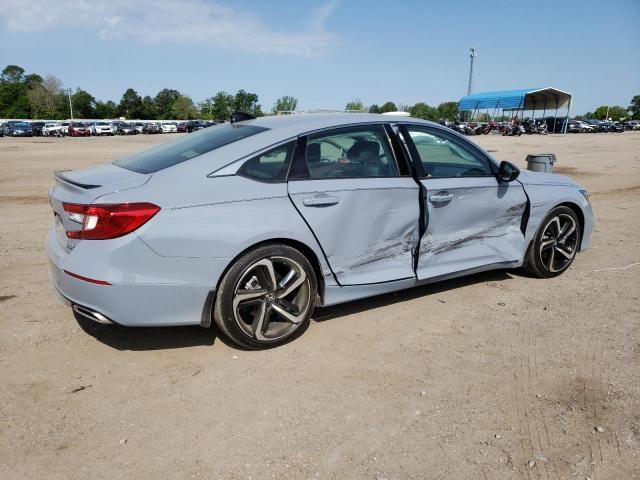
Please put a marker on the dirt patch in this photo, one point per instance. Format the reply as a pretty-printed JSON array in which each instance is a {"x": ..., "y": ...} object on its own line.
[
  {"x": 573, "y": 171},
  {"x": 494, "y": 376}
]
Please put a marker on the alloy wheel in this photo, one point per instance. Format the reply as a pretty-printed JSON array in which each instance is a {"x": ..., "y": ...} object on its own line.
[
  {"x": 272, "y": 298},
  {"x": 559, "y": 242}
]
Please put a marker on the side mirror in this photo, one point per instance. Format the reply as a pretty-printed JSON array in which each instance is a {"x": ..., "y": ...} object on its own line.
[{"x": 507, "y": 172}]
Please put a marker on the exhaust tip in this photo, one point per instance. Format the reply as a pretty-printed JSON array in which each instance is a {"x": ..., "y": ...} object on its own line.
[{"x": 92, "y": 315}]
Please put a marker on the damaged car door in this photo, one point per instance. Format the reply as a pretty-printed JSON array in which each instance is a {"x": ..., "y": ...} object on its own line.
[
  {"x": 472, "y": 219},
  {"x": 362, "y": 206}
]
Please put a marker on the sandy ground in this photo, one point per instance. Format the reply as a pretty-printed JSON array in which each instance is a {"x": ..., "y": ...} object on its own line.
[{"x": 495, "y": 376}]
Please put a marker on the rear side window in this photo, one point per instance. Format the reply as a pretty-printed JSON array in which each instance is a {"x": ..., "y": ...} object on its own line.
[
  {"x": 172, "y": 153},
  {"x": 270, "y": 166}
]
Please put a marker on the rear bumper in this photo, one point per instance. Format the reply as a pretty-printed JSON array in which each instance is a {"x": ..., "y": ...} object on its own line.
[{"x": 147, "y": 302}]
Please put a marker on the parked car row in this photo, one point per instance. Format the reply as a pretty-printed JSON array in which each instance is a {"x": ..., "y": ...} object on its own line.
[
  {"x": 556, "y": 125},
  {"x": 71, "y": 128}
]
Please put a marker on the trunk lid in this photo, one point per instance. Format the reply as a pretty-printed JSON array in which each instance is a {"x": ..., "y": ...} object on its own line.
[{"x": 84, "y": 187}]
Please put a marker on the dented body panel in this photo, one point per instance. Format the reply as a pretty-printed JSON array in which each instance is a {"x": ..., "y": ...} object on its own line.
[
  {"x": 368, "y": 227},
  {"x": 471, "y": 222}
]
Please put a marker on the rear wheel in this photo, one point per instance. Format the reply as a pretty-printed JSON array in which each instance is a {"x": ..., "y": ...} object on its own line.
[
  {"x": 266, "y": 298},
  {"x": 555, "y": 244}
]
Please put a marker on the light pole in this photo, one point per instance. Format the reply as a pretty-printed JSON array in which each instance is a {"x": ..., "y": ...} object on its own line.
[
  {"x": 70, "y": 106},
  {"x": 472, "y": 55}
]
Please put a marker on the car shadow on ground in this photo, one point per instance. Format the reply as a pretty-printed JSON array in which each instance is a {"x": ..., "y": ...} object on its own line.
[
  {"x": 357, "y": 306},
  {"x": 161, "y": 338},
  {"x": 148, "y": 338}
]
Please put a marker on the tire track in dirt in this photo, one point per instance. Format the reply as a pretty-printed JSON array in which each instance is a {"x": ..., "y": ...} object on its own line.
[
  {"x": 536, "y": 441},
  {"x": 603, "y": 446}
]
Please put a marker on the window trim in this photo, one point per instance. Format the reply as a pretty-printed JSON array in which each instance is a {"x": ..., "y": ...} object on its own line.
[
  {"x": 301, "y": 151},
  {"x": 438, "y": 131},
  {"x": 291, "y": 146},
  {"x": 234, "y": 165}
]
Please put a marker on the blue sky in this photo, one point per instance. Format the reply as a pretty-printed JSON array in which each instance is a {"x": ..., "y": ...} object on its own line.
[{"x": 326, "y": 53}]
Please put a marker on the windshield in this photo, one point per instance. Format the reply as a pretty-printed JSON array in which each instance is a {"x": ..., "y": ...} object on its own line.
[
  {"x": 169, "y": 154},
  {"x": 20, "y": 125}
]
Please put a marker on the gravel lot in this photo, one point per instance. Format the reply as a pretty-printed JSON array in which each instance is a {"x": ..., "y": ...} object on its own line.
[{"x": 495, "y": 376}]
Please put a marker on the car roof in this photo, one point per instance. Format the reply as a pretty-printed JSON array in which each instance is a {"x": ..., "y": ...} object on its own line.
[{"x": 289, "y": 125}]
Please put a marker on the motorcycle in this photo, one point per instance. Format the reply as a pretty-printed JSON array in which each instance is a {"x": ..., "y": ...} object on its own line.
[
  {"x": 513, "y": 129},
  {"x": 542, "y": 127}
]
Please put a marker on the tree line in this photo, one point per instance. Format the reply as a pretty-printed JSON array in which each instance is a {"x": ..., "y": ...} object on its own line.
[
  {"x": 25, "y": 95},
  {"x": 444, "y": 111}
]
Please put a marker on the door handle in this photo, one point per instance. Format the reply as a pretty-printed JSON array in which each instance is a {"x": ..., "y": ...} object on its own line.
[
  {"x": 441, "y": 197},
  {"x": 321, "y": 200}
]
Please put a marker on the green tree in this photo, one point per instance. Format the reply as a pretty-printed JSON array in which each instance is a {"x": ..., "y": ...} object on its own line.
[
  {"x": 106, "y": 109},
  {"x": 285, "y": 104},
  {"x": 424, "y": 111},
  {"x": 148, "y": 111},
  {"x": 614, "y": 112},
  {"x": 130, "y": 105},
  {"x": 183, "y": 108},
  {"x": 374, "y": 108},
  {"x": 388, "y": 107},
  {"x": 164, "y": 101},
  {"x": 634, "y": 108},
  {"x": 247, "y": 102},
  {"x": 84, "y": 105},
  {"x": 14, "y": 100},
  {"x": 220, "y": 106},
  {"x": 448, "y": 111},
  {"x": 355, "y": 105},
  {"x": 12, "y": 74}
]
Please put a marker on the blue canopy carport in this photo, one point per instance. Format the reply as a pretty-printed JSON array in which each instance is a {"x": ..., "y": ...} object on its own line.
[{"x": 534, "y": 99}]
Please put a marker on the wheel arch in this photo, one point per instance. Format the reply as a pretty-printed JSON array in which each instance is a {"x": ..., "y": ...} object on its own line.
[
  {"x": 574, "y": 207},
  {"x": 304, "y": 249}
]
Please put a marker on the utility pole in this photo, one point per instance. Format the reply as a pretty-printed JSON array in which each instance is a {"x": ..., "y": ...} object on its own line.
[
  {"x": 70, "y": 106},
  {"x": 472, "y": 55}
]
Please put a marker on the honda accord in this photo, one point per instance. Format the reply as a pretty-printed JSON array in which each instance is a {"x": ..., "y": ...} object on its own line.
[{"x": 251, "y": 225}]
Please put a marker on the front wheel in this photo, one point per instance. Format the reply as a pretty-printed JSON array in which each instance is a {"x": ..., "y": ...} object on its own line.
[
  {"x": 266, "y": 298},
  {"x": 555, "y": 245}
]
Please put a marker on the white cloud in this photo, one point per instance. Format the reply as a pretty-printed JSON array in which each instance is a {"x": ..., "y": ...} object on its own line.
[{"x": 189, "y": 22}]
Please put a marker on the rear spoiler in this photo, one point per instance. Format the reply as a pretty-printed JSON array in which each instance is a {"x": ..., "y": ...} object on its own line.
[{"x": 59, "y": 175}]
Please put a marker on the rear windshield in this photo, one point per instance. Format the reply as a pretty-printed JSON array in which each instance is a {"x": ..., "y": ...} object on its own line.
[{"x": 168, "y": 154}]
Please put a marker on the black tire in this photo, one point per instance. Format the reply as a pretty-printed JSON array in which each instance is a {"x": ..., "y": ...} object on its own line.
[
  {"x": 541, "y": 260},
  {"x": 230, "y": 314}
]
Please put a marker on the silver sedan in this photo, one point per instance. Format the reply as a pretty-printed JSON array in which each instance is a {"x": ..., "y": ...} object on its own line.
[{"x": 251, "y": 225}]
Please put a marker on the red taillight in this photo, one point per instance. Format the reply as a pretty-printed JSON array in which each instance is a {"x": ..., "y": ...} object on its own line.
[
  {"x": 101, "y": 222},
  {"x": 86, "y": 279}
]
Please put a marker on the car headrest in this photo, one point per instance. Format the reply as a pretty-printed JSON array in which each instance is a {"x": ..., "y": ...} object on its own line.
[
  {"x": 313, "y": 153},
  {"x": 370, "y": 150}
]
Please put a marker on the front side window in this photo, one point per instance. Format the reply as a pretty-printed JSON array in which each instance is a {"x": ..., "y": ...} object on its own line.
[
  {"x": 168, "y": 154},
  {"x": 353, "y": 152},
  {"x": 270, "y": 166},
  {"x": 445, "y": 156}
]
